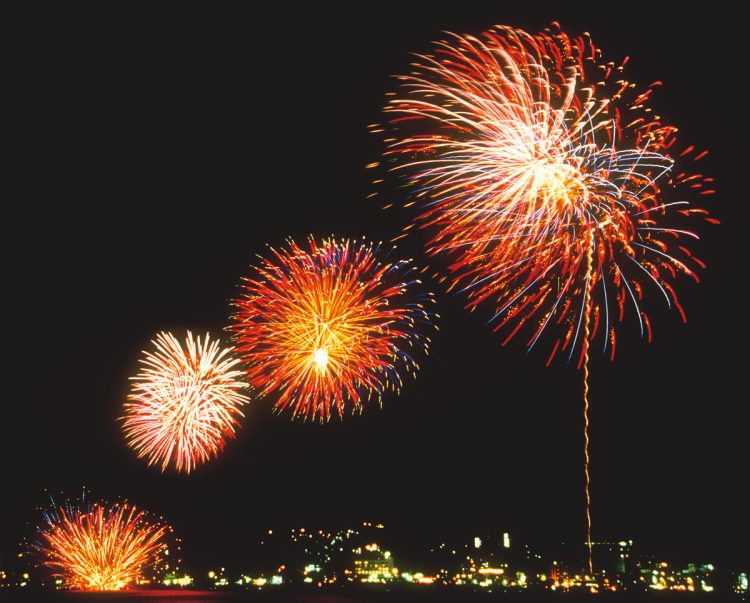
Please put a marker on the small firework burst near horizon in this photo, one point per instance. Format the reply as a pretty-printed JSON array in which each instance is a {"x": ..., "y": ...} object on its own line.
[
  {"x": 184, "y": 403},
  {"x": 331, "y": 325},
  {"x": 529, "y": 155},
  {"x": 100, "y": 546}
]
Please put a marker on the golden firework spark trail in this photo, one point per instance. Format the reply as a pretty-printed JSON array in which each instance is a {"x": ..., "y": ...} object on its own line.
[{"x": 587, "y": 320}]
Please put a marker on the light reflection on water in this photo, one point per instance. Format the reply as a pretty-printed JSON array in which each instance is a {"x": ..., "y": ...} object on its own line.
[
  {"x": 146, "y": 596},
  {"x": 161, "y": 596},
  {"x": 452, "y": 596}
]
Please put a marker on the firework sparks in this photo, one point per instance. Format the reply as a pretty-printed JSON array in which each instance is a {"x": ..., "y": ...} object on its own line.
[
  {"x": 100, "y": 547},
  {"x": 547, "y": 180},
  {"x": 524, "y": 151},
  {"x": 330, "y": 325},
  {"x": 184, "y": 403}
]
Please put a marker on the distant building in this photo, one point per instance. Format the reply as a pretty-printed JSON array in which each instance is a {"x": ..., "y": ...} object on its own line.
[
  {"x": 612, "y": 558},
  {"x": 374, "y": 569},
  {"x": 373, "y": 564},
  {"x": 556, "y": 572}
]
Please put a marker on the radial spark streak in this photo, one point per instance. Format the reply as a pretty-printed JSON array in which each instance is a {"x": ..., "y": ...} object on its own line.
[
  {"x": 523, "y": 150},
  {"x": 100, "y": 547},
  {"x": 184, "y": 403},
  {"x": 329, "y": 326}
]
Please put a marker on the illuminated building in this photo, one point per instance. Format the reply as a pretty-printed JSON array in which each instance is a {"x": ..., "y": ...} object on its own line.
[
  {"x": 662, "y": 576},
  {"x": 556, "y": 572},
  {"x": 176, "y": 580},
  {"x": 740, "y": 585},
  {"x": 373, "y": 569},
  {"x": 218, "y": 578},
  {"x": 372, "y": 564}
]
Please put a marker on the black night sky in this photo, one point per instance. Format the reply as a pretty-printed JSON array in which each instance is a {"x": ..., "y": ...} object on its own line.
[{"x": 160, "y": 150}]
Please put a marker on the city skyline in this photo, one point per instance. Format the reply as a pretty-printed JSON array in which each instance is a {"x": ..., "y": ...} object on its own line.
[{"x": 369, "y": 554}]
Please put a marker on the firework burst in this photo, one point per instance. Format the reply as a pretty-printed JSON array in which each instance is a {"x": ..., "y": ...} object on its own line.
[
  {"x": 184, "y": 403},
  {"x": 330, "y": 325},
  {"x": 546, "y": 180},
  {"x": 100, "y": 546}
]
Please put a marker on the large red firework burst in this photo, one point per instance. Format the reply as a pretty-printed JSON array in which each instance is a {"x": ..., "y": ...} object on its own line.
[
  {"x": 546, "y": 180},
  {"x": 100, "y": 546},
  {"x": 330, "y": 325},
  {"x": 184, "y": 403}
]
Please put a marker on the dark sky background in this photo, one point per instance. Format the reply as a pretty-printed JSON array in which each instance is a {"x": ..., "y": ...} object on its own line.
[{"x": 160, "y": 151}]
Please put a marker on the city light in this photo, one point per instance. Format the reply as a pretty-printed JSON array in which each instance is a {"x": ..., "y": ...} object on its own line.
[
  {"x": 484, "y": 562},
  {"x": 495, "y": 571}
]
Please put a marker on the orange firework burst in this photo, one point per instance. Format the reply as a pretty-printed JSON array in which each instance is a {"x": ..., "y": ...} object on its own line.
[
  {"x": 184, "y": 403},
  {"x": 529, "y": 156},
  {"x": 330, "y": 325},
  {"x": 101, "y": 547}
]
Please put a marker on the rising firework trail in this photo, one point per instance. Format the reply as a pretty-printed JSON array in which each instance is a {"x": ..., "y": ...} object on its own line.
[
  {"x": 548, "y": 186},
  {"x": 330, "y": 325},
  {"x": 99, "y": 546},
  {"x": 185, "y": 403}
]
